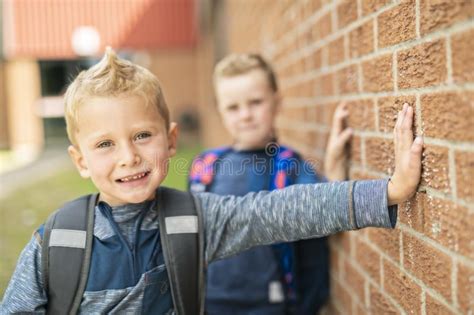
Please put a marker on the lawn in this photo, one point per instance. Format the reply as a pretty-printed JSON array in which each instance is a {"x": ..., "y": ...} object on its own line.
[{"x": 26, "y": 208}]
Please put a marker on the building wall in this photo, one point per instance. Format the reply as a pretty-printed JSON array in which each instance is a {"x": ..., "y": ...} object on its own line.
[
  {"x": 177, "y": 72},
  {"x": 22, "y": 90},
  {"x": 3, "y": 110},
  {"x": 375, "y": 55}
]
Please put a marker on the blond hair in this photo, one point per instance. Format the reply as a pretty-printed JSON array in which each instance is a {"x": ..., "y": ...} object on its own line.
[
  {"x": 112, "y": 77},
  {"x": 237, "y": 64}
]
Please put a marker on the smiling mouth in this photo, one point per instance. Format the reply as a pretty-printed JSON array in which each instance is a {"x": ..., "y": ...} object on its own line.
[{"x": 133, "y": 177}]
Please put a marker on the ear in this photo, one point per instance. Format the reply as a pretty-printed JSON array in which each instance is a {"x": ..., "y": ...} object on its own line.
[
  {"x": 78, "y": 160},
  {"x": 173, "y": 138}
]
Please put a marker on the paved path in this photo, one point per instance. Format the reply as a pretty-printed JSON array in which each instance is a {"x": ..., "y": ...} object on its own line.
[{"x": 46, "y": 165}]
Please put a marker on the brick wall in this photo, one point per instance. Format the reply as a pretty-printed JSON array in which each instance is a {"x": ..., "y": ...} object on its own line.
[{"x": 376, "y": 55}]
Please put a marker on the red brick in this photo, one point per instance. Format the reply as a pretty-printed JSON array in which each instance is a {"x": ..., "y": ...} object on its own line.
[
  {"x": 428, "y": 264},
  {"x": 336, "y": 51},
  {"x": 359, "y": 309},
  {"x": 370, "y": 6},
  {"x": 308, "y": 63},
  {"x": 399, "y": 286},
  {"x": 334, "y": 258},
  {"x": 379, "y": 155},
  {"x": 397, "y": 25},
  {"x": 309, "y": 138},
  {"x": 387, "y": 240},
  {"x": 465, "y": 175},
  {"x": 323, "y": 27},
  {"x": 443, "y": 13},
  {"x": 315, "y": 5},
  {"x": 315, "y": 114},
  {"x": 388, "y": 108},
  {"x": 449, "y": 224},
  {"x": 329, "y": 110},
  {"x": 411, "y": 212},
  {"x": 342, "y": 297},
  {"x": 324, "y": 85},
  {"x": 343, "y": 240},
  {"x": 462, "y": 56},
  {"x": 448, "y": 116},
  {"x": 433, "y": 306},
  {"x": 361, "y": 40},
  {"x": 331, "y": 309},
  {"x": 359, "y": 175},
  {"x": 317, "y": 59},
  {"x": 355, "y": 281},
  {"x": 347, "y": 79},
  {"x": 355, "y": 150},
  {"x": 346, "y": 12},
  {"x": 377, "y": 74},
  {"x": 379, "y": 304},
  {"x": 361, "y": 115},
  {"x": 466, "y": 288},
  {"x": 322, "y": 140},
  {"x": 369, "y": 260},
  {"x": 423, "y": 65},
  {"x": 435, "y": 168}
]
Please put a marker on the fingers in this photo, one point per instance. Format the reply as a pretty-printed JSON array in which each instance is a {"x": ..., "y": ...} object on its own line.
[
  {"x": 340, "y": 114},
  {"x": 345, "y": 136},
  {"x": 400, "y": 117},
  {"x": 415, "y": 153},
  {"x": 403, "y": 133},
  {"x": 406, "y": 132}
]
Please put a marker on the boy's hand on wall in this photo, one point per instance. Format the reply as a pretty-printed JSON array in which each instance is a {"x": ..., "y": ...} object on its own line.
[
  {"x": 335, "y": 160},
  {"x": 406, "y": 177}
]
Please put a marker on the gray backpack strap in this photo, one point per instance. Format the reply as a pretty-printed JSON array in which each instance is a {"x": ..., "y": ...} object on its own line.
[
  {"x": 181, "y": 232},
  {"x": 66, "y": 253}
]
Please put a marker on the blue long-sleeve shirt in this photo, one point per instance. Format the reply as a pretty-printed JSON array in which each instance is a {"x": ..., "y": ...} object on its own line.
[
  {"x": 231, "y": 225},
  {"x": 246, "y": 283}
]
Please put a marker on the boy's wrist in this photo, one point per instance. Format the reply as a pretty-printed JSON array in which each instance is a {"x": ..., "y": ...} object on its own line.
[{"x": 394, "y": 195}]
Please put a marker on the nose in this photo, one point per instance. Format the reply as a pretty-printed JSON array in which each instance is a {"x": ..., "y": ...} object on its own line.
[
  {"x": 245, "y": 113},
  {"x": 129, "y": 155}
]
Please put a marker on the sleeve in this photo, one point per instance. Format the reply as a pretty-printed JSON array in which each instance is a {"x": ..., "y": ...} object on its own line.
[
  {"x": 233, "y": 224},
  {"x": 25, "y": 292}
]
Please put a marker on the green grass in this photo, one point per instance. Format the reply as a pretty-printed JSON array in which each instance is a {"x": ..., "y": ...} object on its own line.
[{"x": 26, "y": 208}]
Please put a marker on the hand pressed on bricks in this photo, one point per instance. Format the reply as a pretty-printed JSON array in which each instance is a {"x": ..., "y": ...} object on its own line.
[
  {"x": 335, "y": 160},
  {"x": 407, "y": 173}
]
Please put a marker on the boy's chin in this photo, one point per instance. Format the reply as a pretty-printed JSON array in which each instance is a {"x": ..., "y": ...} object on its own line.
[
  {"x": 131, "y": 199},
  {"x": 140, "y": 199}
]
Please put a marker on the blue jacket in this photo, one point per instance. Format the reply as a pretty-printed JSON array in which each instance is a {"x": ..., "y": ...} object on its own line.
[{"x": 250, "y": 282}]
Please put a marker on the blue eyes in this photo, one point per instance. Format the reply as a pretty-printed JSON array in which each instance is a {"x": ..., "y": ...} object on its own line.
[
  {"x": 142, "y": 135},
  {"x": 104, "y": 144},
  {"x": 108, "y": 143}
]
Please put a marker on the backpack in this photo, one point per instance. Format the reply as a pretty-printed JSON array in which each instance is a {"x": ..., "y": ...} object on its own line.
[
  {"x": 67, "y": 248},
  {"x": 201, "y": 177}
]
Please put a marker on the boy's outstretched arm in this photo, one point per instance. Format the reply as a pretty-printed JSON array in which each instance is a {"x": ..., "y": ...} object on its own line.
[
  {"x": 402, "y": 185},
  {"x": 234, "y": 224}
]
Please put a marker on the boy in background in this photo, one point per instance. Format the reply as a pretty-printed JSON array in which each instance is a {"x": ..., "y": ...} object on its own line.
[
  {"x": 278, "y": 279},
  {"x": 122, "y": 138}
]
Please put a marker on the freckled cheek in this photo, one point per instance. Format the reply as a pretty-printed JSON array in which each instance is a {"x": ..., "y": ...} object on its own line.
[{"x": 98, "y": 164}]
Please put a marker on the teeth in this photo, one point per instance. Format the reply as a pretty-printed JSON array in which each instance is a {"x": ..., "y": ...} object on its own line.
[{"x": 126, "y": 179}]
